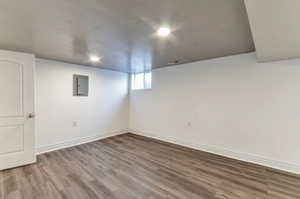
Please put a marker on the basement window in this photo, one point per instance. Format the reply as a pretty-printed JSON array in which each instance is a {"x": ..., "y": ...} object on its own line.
[{"x": 140, "y": 81}]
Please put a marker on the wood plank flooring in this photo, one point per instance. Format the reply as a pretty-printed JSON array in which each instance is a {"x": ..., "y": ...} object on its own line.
[{"x": 134, "y": 167}]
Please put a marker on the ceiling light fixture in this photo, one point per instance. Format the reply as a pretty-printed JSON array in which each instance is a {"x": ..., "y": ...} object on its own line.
[
  {"x": 94, "y": 58},
  {"x": 163, "y": 31}
]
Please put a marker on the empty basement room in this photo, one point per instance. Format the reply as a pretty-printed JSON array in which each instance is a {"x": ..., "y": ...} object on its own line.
[{"x": 149, "y": 99}]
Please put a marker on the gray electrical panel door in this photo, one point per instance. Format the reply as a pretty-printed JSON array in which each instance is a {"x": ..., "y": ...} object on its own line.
[{"x": 80, "y": 85}]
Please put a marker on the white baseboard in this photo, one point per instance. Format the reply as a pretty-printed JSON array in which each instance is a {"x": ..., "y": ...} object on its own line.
[
  {"x": 280, "y": 165},
  {"x": 77, "y": 141}
]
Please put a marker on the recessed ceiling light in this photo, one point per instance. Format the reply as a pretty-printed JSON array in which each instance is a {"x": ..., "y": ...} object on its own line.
[
  {"x": 94, "y": 58},
  {"x": 163, "y": 31}
]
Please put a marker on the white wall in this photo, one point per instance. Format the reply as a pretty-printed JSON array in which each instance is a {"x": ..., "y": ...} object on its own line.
[
  {"x": 231, "y": 106},
  {"x": 103, "y": 112}
]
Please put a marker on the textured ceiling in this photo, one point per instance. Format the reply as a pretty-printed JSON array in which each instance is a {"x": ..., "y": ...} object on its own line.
[
  {"x": 276, "y": 28},
  {"x": 122, "y": 32}
]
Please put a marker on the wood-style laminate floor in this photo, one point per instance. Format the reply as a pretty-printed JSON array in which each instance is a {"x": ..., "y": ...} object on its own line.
[{"x": 134, "y": 167}]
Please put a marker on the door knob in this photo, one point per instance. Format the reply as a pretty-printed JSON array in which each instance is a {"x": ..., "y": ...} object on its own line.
[{"x": 31, "y": 115}]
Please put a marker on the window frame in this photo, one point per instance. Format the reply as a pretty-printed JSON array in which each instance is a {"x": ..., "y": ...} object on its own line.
[{"x": 133, "y": 81}]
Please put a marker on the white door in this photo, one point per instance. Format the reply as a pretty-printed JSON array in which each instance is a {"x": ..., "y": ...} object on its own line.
[{"x": 16, "y": 109}]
